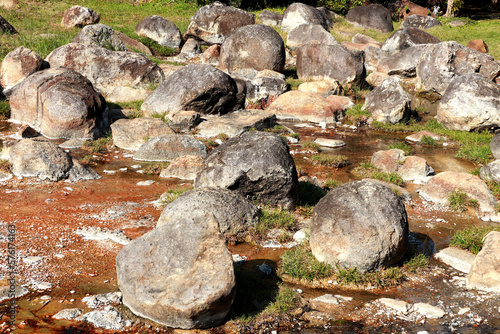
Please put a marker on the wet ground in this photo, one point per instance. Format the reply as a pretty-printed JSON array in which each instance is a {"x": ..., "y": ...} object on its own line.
[{"x": 47, "y": 217}]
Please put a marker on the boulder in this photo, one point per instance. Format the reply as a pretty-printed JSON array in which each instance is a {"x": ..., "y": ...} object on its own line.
[
  {"x": 6, "y": 27},
  {"x": 169, "y": 147},
  {"x": 388, "y": 102},
  {"x": 360, "y": 213},
  {"x": 324, "y": 88},
  {"x": 375, "y": 17},
  {"x": 100, "y": 35},
  {"x": 118, "y": 75},
  {"x": 133, "y": 45},
  {"x": 372, "y": 57},
  {"x": 309, "y": 34},
  {"x": 59, "y": 103},
  {"x": 234, "y": 213},
  {"x": 403, "y": 63},
  {"x": 191, "y": 47},
  {"x": 485, "y": 270},
  {"x": 459, "y": 259},
  {"x": 213, "y": 23},
  {"x": 255, "y": 164},
  {"x": 235, "y": 123},
  {"x": 130, "y": 134},
  {"x": 340, "y": 103},
  {"x": 298, "y": 13},
  {"x": 495, "y": 145},
  {"x": 439, "y": 188},
  {"x": 388, "y": 160},
  {"x": 200, "y": 88},
  {"x": 363, "y": 39},
  {"x": 181, "y": 280},
  {"x": 305, "y": 106},
  {"x": 270, "y": 18},
  {"x": 183, "y": 120},
  {"x": 19, "y": 64},
  {"x": 161, "y": 30},
  {"x": 478, "y": 45},
  {"x": 482, "y": 98},
  {"x": 184, "y": 168},
  {"x": 405, "y": 38},
  {"x": 420, "y": 22},
  {"x": 211, "y": 55},
  {"x": 410, "y": 168},
  {"x": 254, "y": 46},
  {"x": 328, "y": 62},
  {"x": 78, "y": 16},
  {"x": 260, "y": 87},
  {"x": 441, "y": 62},
  {"x": 38, "y": 157},
  {"x": 491, "y": 172}
]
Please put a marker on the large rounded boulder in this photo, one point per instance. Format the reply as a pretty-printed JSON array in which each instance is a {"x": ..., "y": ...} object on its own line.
[
  {"x": 212, "y": 24},
  {"x": 375, "y": 17},
  {"x": 234, "y": 213},
  {"x": 200, "y": 88},
  {"x": 161, "y": 30},
  {"x": 361, "y": 224},
  {"x": 298, "y": 13},
  {"x": 38, "y": 157},
  {"x": 253, "y": 46},
  {"x": 118, "y": 75},
  {"x": 60, "y": 103},
  {"x": 328, "y": 62},
  {"x": 180, "y": 274},
  {"x": 470, "y": 103},
  {"x": 19, "y": 64},
  {"x": 257, "y": 165}
]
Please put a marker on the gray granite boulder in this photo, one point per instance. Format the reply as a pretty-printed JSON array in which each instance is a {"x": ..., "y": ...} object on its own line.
[
  {"x": 100, "y": 35},
  {"x": 255, "y": 164},
  {"x": 169, "y": 147},
  {"x": 130, "y": 134},
  {"x": 38, "y": 157},
  {"x": 360, "y": 213},
  {"x": 261, "y": 86},
  {"x": 117, "y": 75},
  {"x": 19, "y": 64},
  {"x": 405, "y": 38},
  {"x": 254, "y": 46},
  {"x": 200, "y": 88},
  {"x": 212, "y": 24},
  {"x": 180, "y": 274},
  {"x": 298, "y": 13},
  {"x": 234, "y": 213},
  {"x": 59, "y": 103},
  {"x": 309, "y": 34},
  {"x": 161, "y": 30},
  {"x": 270, "y": 18},
  {"x": 375, "y": 17},
  {"x": 420, "y": 22}
]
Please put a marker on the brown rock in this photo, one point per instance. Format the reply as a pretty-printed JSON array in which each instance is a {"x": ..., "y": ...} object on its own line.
[
  {"x": 304, "y": 106},
  {"x": 363, "y": 39},
  {"x": 9, "y": 4},
  {"x": 211, "y": 55},
  {"x": 485, "y": 271},
  {"x": 130, "y": 134},
  {"x": 354, "y": 46},
  {"x": 404, "y": 8},
  {"x": 185, "y": 167},
  {"x": 18, "y": 64},
  {"x": 478, "y": 45},
  {"x": 376, "y": 78},
  {"x": 388, "y": 161},
  {"x": 324, "y": 88},
  {"x": 340, "y": 103}
]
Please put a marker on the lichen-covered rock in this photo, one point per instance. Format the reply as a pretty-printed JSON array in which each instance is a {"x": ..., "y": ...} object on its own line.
[
  {"x": 38, "y": 157},
  {"x": 78, "y": 16},
  {"x": 180, "y": 274},
  {"x": 118, "y": 75},
  {"x": 255, "y": 164},
  {"x": 161, "y": 30},
  {"x": 375, "y": 17},
  {"x": 360, "y": 212},
  {"x": 254, "y": 46},
  {"x": 200, "y": 88},
  {"x": 101, "y": 35},
  {"x": 212, "y": 24},
  {"x": 60, "y": 103},
  {"x": 481, "y": 98},
  {"x": 234, "y": 213},
  {"x": 298, "y": 13}
]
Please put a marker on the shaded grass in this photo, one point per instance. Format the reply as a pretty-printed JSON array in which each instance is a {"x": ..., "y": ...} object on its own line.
[
  {"x": 471, "y": 238},
  {"x": 309, "y": 193},
  {"x": 4, "y": 110}
]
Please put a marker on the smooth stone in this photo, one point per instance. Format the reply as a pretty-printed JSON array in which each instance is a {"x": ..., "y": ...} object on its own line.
[
  {"x": 329, "y": 142},
  {"x": 459, "y": 259}
]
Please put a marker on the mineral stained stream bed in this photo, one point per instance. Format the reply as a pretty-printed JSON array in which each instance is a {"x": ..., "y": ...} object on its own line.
[{"x": 67, "y": 235}]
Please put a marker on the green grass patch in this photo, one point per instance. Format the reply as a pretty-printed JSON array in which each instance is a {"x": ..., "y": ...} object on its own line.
[
  {"x": 312, "y": 146},
  {"x": 157, "y": 49},
  {"x": 299, "y": 262},
  {"x": 331, "y": 184},
  {"x": 278, "y": 129},
  {"x": 458, "y": 200},
  {"x": 368, "y": 170},
  {"x": 403, "y": 146},
  {"x": 286, "y": 300},
  {"x": 417, "y": 262},
  {"x": 163, "y": 117},
  {"x": 330, "y": 160},
  {"x": 98, "y": 146},
  {"x": 471, "y": 238},
  {"x": 154, "y": 168},
  {"x": 4, "y": 110},
  {"x": 170, "y": 195},
  {"x": 357, "y": 116},
  {"x": 135, "y": 105},
  {"x": 275, "y": 219},
  {"x": 427, "y": 140}
]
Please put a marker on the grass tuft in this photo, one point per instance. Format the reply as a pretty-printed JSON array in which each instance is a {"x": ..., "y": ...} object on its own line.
[
  {"x": 458, "y": 200},
  {"x": 299, "y": 262},
  {"x": 368, "y": 170},
  {"x": 357, "y": 116},
  {"x": 408, "y": 149},
  {"x": 331, "y": 184},
  {"x": 330, "y": 160},
  {"x": 312, "y": 146},
  {"x": 471, "y": 238},
  {"x": 274, "y": 219}
]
